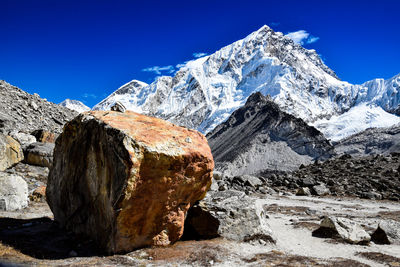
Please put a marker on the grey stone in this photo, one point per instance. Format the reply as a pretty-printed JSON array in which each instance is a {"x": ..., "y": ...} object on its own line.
[
  {"x": 248, "y": 180},
  {"x": 308, "y": 182},
  {"x": 13, "y": 192},
  {"x": 320, "y": 190},
  {"x": 303, "y": 191},
  {"x": 40, "y": 154},
  {"x": 23, "y": 138},
  {"x": 346, "y": 229},
  {"x": 388, "y": 232},
  {"x": 229, "y": 214}
]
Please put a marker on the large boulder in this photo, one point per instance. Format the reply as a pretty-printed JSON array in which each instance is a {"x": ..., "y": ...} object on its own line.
[
  {"x": 10, "y": 152},
  {"x": 229, "y": 214},
  {"x": 13, "y": 192},
  {"x": 127, "y": 180}
]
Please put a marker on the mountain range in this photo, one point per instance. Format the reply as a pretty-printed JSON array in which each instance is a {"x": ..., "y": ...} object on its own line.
[{"x": 205, "y": 91}]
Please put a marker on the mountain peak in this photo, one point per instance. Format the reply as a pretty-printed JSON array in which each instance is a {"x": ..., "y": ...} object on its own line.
[{"x": 74, "y": 105}]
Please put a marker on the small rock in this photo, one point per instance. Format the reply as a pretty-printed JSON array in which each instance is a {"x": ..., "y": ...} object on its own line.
[
  {"x": 44, "y": 136},
  {"x": 308, "y": 182},
  {"x": 346, "y": 229},
  {"x": 39, "y": 194},
  {"x": 371, "y": 195},
  {"x": 388, "y": 232},
  {"x": 303, "y": 191},
  {"x": 320, "y": 190}
]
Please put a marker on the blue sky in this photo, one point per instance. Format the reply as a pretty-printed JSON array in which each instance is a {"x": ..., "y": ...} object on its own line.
[{"x": 86, "y": 49}]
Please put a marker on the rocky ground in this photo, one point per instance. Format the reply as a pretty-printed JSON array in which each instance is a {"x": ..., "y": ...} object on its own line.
[
  {"x": 372, "y": 177},
  {"x": 30, "y": 237}
]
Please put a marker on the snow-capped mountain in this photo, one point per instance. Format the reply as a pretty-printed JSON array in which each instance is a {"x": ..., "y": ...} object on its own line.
[
  {"x": 74, "y": 105},
  {"x": 204, "y": 92}
]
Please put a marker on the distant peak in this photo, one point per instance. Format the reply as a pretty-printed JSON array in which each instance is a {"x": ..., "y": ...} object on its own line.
[
  {"x": 257, "y": 97},
  {"x": 264, "y": 28}
]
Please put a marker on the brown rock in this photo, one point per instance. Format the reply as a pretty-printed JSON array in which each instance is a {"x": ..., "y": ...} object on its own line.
[
  {"x": 10, "y": 152},
  {"x": 44, "y": 136},
  {"x": 127, "y": 180},
  {"x": 38, "y": 194}
]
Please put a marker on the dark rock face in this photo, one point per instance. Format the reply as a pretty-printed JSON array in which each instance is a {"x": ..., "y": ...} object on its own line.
[
  {"x": 127, "y": 180},
  {"x": 371, "y": 141},
  {"x": 372, "y": 177},
  {"x": 23, "y": 112},
  {"x": 260, "y": 136}
]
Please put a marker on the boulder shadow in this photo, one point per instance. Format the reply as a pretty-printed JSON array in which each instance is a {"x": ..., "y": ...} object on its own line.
[{"x": 42, "y": 238}]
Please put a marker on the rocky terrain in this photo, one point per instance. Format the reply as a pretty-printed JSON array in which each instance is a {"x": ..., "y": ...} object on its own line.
[
  {"x": 23, "y": 112},
  {"x": 259, "y": 136}
]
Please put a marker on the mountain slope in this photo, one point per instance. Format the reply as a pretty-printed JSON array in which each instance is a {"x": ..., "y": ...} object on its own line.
[
  {"x": 260, "y": 136},
  {"x": 204, "y": 92},
  {"x": 76, "y": 105},
  {"x": 20, "y": 111}
]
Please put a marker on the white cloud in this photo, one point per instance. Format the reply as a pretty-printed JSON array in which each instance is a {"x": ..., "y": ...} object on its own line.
[
  {"x": 312, "y": 39},
  {"x": 302, "y": 37},
  {"x": 157, "y": 69},
  {"x": 197, "y": 55},
  {"x": 180, "y": 65},
  {"x": 87, "y": 95}
]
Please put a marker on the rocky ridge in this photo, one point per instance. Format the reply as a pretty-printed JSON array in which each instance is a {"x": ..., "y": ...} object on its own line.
[
  {"x": 259, "y": 136},
  {"x": 23, "y": 112}
]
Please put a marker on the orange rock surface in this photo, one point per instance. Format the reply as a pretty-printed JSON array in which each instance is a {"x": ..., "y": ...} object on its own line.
[{"x": 127, "y": 180}]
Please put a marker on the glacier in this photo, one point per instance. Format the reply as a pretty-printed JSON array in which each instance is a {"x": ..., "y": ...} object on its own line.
[{"x": 204, "y": 92}]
